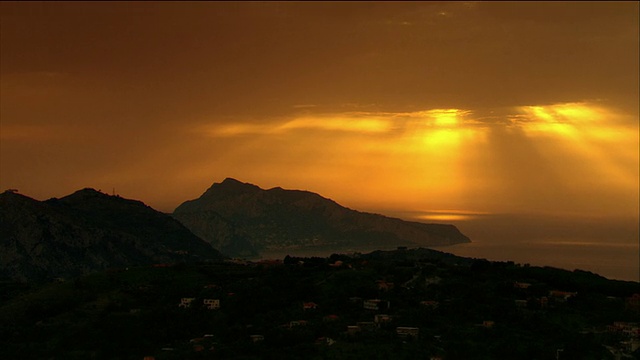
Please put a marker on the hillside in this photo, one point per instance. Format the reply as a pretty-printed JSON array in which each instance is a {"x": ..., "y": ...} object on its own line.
[
  {"x": 242, "y": 219},
  {"x": 405, "y": 304},
  {"x": 88, "y": 231}
]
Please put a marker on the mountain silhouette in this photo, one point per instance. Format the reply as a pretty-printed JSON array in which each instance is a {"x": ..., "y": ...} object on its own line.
[
  {"x": 88, "y": 231},
  {"x": 241, "y": 219}
]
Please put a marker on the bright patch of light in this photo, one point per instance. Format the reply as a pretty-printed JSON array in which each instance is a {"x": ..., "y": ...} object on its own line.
[
  {"x": 532, "y": 159},
  {"x": 445, "y": 217},
  {"x": 588, "y": 133},
  {"x": 447, "y": 117},
  {"x": 338, "y": 123}
]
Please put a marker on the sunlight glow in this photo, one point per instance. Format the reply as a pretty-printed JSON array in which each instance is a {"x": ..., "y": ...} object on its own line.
[
  {"x": 449, "y": 215},
  {"x": 529, "y": 158},
  {"x": 447, "y": 117},
  {"x": 576, "y": 120},
  {"x": 339, "y": 123},
  {"x": 590, "y": 134},
  {"x": 445, "y": 217}
]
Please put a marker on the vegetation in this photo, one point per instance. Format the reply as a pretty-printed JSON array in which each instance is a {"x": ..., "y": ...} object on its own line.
[{"x": 314, "y": 308}]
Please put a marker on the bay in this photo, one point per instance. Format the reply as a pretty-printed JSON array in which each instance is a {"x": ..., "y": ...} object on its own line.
[{"x": 607, "y": 246}]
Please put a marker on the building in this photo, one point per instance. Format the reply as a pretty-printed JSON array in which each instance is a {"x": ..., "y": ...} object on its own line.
[
  {"x": 384, "y": 285},
  {"x": 630, "y": 330},
  {"x": 186, "y": 302},
  {"x": 309, "y": 306},
  {"x": 561, "y": 295},
  {"x": 404, "y": 331},
  {"x": 375, "y": 304},
  {"x": 212, "y": 304}
]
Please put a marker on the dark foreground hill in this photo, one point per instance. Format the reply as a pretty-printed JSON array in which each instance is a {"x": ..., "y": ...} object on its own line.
[
  {"x": 406, "y": 304},
  {"x": 88, "y": 231},
  {"x": 241, "y": 219}
]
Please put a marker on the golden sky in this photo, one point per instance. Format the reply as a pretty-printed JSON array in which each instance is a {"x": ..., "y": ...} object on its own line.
[{"x": 448, "y": 108}]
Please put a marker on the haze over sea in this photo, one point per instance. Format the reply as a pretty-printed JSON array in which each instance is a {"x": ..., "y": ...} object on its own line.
[
  {"x": 483, "y": 108},
  {"x": 606, "y": 246}
]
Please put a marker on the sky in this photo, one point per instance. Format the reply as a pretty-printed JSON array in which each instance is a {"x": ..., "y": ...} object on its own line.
[{"x": 446, "y": 110}]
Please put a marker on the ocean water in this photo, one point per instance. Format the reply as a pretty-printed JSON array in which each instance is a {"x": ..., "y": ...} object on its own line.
[
  {"x": 613, "y": 261},
  {"x": 609, "y": 247},
  {"x": 603, "y": 245}
]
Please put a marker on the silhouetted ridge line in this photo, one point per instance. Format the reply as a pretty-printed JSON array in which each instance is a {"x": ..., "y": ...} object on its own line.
[
  {"x": 89, "y": 231},
  {"x": 241, "y": 219}
]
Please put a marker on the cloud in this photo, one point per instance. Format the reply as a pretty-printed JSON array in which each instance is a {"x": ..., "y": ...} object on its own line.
[
  {"x": 558, "y": 157},
  {"x": 348, "y": 122},
  {"x": 344, "y": 99}
]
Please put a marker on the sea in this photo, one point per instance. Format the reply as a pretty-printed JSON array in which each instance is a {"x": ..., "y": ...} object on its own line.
[{"x": 607, "y": 246}]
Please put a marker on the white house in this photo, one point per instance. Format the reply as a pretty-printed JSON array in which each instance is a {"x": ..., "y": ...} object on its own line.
[
  {"x": 405, "y": 331},
  {"x": 186, "y": 302},
  {"x": 212, "y": 304}
]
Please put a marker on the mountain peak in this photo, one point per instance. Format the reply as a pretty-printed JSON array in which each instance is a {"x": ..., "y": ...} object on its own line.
[
  {"x": 230, "y": 186},
  {"x": 231, "y": 181},
  {"x": 86, "y": 192},
  {"x": 11, "y": 193},
  {"x": 90, "y": 195},
  {"x": 279, "y": 218},
  {"x": 89, "y": 230},
  {"x": 12, "y": 197}
]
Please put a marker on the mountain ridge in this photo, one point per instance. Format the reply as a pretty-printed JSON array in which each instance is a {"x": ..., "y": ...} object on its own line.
[
  {"x": 278, "y": 218},
  {"x": 88, "y": 231}
]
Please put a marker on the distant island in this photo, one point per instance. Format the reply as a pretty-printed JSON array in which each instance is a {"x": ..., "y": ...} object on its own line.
[{"x": 241, "y": 219}]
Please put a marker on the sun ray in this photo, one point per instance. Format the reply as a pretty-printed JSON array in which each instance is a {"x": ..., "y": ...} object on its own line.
[{"x": 587, "y": 133}]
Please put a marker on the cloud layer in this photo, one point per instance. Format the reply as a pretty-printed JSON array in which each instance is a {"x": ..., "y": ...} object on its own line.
[{"x": 476, "y": 107}]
